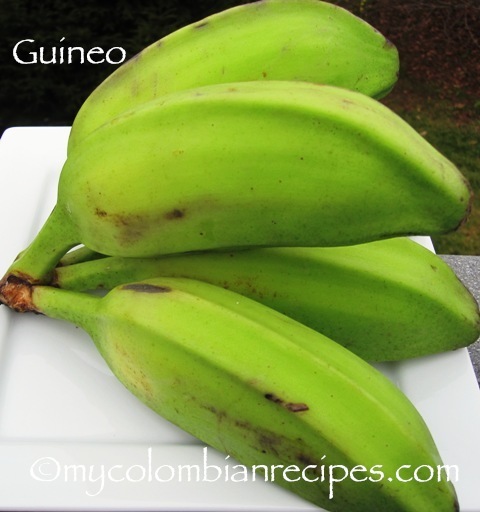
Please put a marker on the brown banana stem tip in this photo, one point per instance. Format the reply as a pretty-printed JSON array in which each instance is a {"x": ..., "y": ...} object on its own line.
[{"x": 16, "y": 293}]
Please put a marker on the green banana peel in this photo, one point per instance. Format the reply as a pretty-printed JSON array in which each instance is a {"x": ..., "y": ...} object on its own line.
[
  {"x": 386, "y": 300},
  {"x": 288, "y": 163},
  {"x": 265, "y": 389},
  {"x": 306, "y": 40}
]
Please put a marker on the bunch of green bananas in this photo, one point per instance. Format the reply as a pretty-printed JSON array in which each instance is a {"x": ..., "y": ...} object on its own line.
[{"x": 245, "y": 199}]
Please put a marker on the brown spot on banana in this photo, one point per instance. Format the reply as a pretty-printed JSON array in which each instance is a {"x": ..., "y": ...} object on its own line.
[
  {"x": 176, "y": 213},
  {"x": 290, "y": 406},
  {"x": 146, "y": 288},
  {"x": 100, "y": 213},
  {"x": 270, "y": 443},
  {"x": 296, "y": 407},
  {"x": 273, "y": 398}
]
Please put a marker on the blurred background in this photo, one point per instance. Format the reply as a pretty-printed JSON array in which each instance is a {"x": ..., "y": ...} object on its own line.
[{"x": 438, "y": 91}]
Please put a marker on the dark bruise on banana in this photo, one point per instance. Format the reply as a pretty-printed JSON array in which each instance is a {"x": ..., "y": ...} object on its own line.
[
  {"x": 267, "y": 441},
  {"x": 290, "y": 406},
  {"x": 133, "y": 375},
  {"x": 146, "y": 288},
  {"x": 289, "y": 451},
  {"x": 176, "y": 213}
]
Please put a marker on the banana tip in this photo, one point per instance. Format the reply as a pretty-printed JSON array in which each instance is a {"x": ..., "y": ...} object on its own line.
[{"x": 467, "y": 209}]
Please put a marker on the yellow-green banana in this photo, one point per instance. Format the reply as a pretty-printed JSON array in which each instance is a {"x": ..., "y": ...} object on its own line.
[
  {"x": 265, "y": 390},
  {"x": 305, "y": 40},
  {"x": 241, "y": 165},
  {"x": 385, "y": 300},
  {"x": 79, "y": 254}
]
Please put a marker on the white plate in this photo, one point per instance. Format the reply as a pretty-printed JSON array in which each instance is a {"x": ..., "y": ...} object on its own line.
[{"x": 72, "y": 438}]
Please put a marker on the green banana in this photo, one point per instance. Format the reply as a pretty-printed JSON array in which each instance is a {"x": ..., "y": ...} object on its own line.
[
  {"x": 242, "y": 165},
  {"x": 306, "y": 40},
  {"x": 80, "y": 254},
  {"x": 385, "y": 300},
  {"x": 264, "y": 389}
]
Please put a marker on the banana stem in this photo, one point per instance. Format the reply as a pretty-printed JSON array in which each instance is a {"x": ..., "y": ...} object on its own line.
[
  {"x": 80, "y": 255},
  {"x": 105, "y": 273},
  {"x": 36, "y": 263},
  {"x": 76, "y": 307}
]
